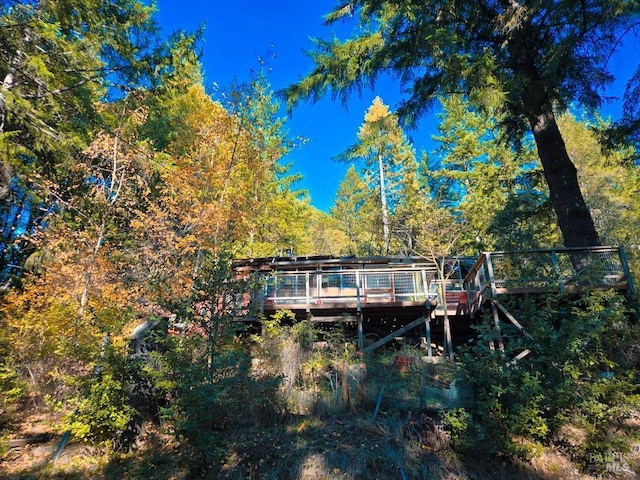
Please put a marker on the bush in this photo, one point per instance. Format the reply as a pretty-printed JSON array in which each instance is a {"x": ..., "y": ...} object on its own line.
[
  {"x": 577, "y": 373},
  {"x": 100, "y": 410},
  {"x": 207, "y": 375},
  {"x": 11, "y": 390}
]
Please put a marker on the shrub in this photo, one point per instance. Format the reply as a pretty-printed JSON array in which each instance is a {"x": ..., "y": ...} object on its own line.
[
  {"x": 100, "y": 410},
  {"x": 11, "y": 390},
  {"x": 577, "y": 372}
]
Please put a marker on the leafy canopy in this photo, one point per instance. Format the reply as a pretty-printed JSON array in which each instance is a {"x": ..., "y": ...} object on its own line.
[{"x": 518, "y": 54}]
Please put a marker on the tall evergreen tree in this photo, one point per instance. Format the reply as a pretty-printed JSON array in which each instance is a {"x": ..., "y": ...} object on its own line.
[
  {"x": 407, "y": 221},
  {"x": 59, "y": 61},
  {"x": 387, "y": 154},
  {"x": 478, "y": 176},
  {"x": 532, "y": 58},
  {"x": 354, "y": 210}
]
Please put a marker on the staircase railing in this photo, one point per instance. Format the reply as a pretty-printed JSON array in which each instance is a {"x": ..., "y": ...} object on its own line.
[{"x": 559, "y": 269}]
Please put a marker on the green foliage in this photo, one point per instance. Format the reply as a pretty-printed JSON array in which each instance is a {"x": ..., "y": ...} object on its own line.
[
  {"x": 12, "y": 388},
  {"x": 388, "y": 156},
  {"x": 303, "y": 333},
  {"x": 354, "y": 210},
  {"x": 101, "y": 408},
  {"x": 461, "y": 47},
  {"x": 497, "y": 191},
  {"x": 579, "y": 372},
  {"x": 205, "y": 376},
  {"x": 507, "y": 403},
  {"x": 273, "y": 326},
  {"x": 506, "y": 60},
  {"x": 611, "y": 186},
  {"x": 459, "y": 423},
  {"x": 208, "y": 401},
  {"x": 60, "y": 62},
  {"x": 10, "y": 384}
]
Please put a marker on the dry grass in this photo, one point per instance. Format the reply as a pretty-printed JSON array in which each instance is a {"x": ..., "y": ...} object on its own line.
[
  {"x": 322, "y": 438},
  {"x": 346, "y": 447}
]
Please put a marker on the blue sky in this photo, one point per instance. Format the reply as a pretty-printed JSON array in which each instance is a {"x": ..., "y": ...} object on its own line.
[{"x": 238, "y": 33}]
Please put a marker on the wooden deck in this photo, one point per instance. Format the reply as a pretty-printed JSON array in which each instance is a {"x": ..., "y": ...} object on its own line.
[
  {"x": 390, "y": 294},
  {"x": 322, "y": 286}
]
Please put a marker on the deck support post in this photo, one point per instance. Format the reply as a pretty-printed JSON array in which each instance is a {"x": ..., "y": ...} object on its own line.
[
  {"x": 496, "y": 326},
  {"x": 360, "y": 333},
  {"x": 447, "y": 336},
  {"x": 427, "y": 324},
  {"x": 447, "y": 342}
]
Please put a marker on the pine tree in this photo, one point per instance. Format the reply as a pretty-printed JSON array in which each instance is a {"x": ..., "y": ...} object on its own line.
[
  {"x": 480, "y": 177},
  {"x": 354, "y": 211},
  {"x": 531, "y": 59},
  {"x": 387, "y": 154}
]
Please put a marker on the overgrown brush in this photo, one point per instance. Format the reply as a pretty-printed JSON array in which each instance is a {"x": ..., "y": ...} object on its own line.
[{"x": 578, "y": 373}]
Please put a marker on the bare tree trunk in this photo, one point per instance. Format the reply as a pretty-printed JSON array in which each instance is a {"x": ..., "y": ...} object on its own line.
[
  {"x": 448, "y": 343},
  {"x": 7, "y": 83},
  {"x": 5, "y": 179},
  {"x": 84, "y": 297},
  {"x": 111, "y": 196},
  {"x": 383, "y": 206}
]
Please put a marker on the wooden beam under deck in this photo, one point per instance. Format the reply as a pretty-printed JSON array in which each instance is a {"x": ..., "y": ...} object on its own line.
[{"x": 395, "y": 334}]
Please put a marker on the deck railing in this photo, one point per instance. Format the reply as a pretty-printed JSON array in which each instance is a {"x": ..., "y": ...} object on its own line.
[
  {"x": 349, "y": 286},
  {"x": 561, "y": 270},
  {"x": 354, "y": 287}
]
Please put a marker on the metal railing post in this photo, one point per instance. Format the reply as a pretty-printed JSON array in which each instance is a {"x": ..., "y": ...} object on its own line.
[
  {"x": 424, "y": 284},
  {"x": 358, "y": 289},
  {"x": 318, "y": 287},
  {"x": 625, "y": 268},
  {"x": 308, "y": 291},
  {"x": 490, "y": 275},
  {"x": 275, "y": 288},
  {"x": 556, "y": 268}
]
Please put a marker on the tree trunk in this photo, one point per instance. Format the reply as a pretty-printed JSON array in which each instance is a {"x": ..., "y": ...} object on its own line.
[
  {"x": 447, "y": 341},
  {"x": 574, "y": 217},
  {"x": 7, "y": 83},
  {"x": 5, "y": 179},
  {"x": 383, "y": 206}
]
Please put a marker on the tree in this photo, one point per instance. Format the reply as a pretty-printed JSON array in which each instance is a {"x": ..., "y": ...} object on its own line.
[
  {"x": 387, "y": 152},
  {"x": 221, "y": 185},
  {"x": 354, "y": 211},
  {"x": 436, "y": 241},
  {"x": 611, "y": 186},
  {"x": 280, "y": 213},
  {"x": 59, "y": 62},
  {"x": 326, "y": 235},
  {"x": 58, "y": 59},
  {"x": 478, "y": 177},
  {"x": 76, "y": 299},
  {"x": 406, "y": 222},
  {"x": 531, "y": 59},
  {"x": 579, "y": 376}
]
